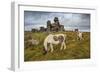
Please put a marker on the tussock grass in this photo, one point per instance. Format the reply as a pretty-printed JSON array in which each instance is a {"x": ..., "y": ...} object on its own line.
[{"x": 75, "y": 49}]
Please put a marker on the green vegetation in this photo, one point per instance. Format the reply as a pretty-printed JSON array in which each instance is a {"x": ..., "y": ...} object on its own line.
[{"x": 75, "y": 49}]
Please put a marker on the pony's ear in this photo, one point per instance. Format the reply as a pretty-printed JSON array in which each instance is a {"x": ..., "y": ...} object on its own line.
[{"x": 55, "y": 38}]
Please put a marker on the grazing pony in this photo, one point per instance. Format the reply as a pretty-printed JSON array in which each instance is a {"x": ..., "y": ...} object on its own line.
[
  {"x": 79, "y": 35},
  {"x": 54, "y": 39}
]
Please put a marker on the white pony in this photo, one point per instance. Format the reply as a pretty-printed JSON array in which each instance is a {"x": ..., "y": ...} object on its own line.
[
  {"x": 80, "y": 35},
  {"x": 54, "y": 39}
]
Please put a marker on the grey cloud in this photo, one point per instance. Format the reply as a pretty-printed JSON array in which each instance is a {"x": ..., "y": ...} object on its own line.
[{"x": 66, "y": 19}]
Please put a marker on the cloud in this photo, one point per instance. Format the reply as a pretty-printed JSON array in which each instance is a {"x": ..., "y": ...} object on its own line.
[{"x": 69, "y": 20}]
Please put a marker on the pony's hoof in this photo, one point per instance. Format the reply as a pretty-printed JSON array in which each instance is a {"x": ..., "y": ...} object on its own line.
[{"x": 45, "y": 52}]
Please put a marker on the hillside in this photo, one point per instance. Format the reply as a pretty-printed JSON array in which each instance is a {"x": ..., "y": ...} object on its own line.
[{"x": 75, "y": 49}]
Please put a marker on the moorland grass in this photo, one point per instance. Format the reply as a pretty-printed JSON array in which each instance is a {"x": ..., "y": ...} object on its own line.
[{"x": 75, "y": 49}]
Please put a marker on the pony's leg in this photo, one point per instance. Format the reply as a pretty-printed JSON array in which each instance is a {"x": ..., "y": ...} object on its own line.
[
  {"x": 64, "y": 46},
  {"x": 45, "y": 48},
  {"x": 80, "y": 37},
  {"x": 51, "y": 46},
  {"x": 61, "y": 46}
]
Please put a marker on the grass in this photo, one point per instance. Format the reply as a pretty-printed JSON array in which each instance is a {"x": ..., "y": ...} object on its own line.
[{"x": 75, "y": 49}]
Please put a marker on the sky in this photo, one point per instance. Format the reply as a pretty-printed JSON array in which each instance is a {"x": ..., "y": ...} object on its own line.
[{"x": 71, "y": 21}]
